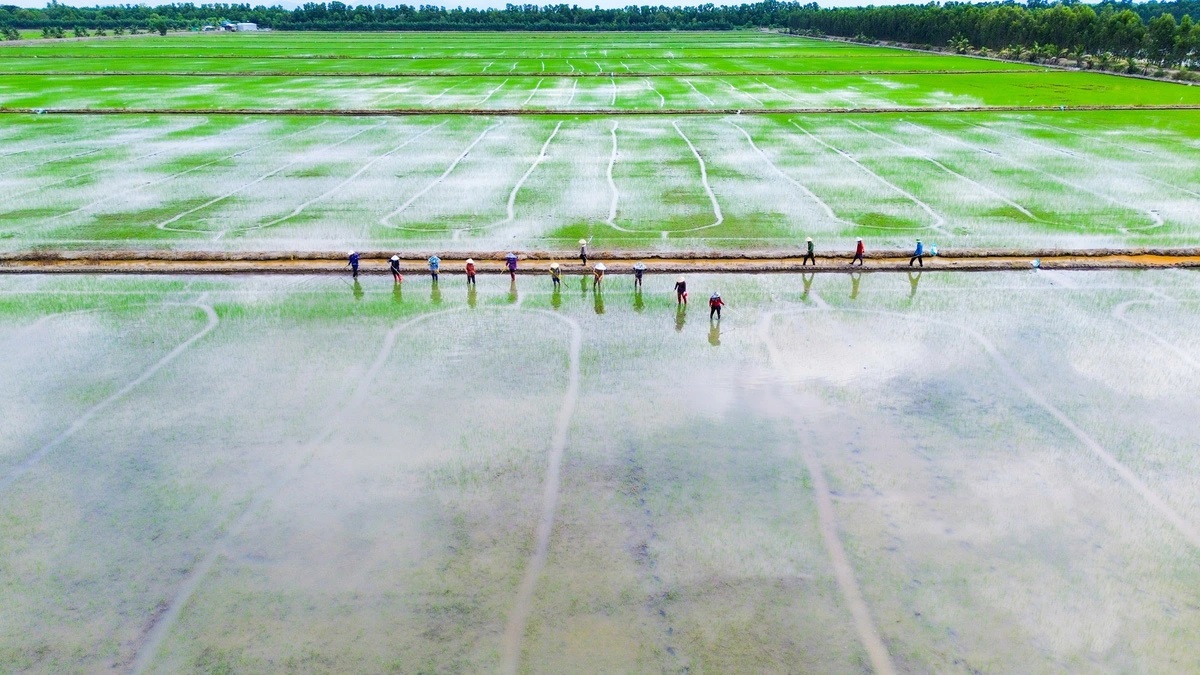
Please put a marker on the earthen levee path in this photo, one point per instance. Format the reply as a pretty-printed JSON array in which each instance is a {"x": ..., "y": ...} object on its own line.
[{"x": 617, "y": 262}]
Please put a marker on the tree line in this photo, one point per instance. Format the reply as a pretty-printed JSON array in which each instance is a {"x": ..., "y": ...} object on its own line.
[{"x": 1162, "y": 32}]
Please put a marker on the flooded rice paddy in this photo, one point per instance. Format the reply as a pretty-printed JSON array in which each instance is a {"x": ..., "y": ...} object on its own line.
[{"x": 962, "y": 473}]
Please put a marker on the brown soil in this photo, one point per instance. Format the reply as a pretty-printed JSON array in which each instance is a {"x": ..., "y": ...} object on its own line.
[{"x": 618, "y": 262}]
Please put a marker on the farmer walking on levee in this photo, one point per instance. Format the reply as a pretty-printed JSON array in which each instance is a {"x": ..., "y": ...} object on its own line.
[
  {"x": 918, "y": 254},
  {"x": 809, "y": 255},
  {"x": 353, "y": 263},
  {"x": 859, "y": 250}
]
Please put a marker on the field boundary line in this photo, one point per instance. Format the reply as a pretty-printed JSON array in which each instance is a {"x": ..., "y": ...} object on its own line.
[
  {"x": 1091, "y": 154},
  {"x": 702, "y": 94},
  {"x": 162, "y": 621},
  {"x": 938, "y": 219},
  {"x": 432, "y": 184},
  {"x": 611, "y": 221},
  {"x": 712, "y": 197},
  {"x": 1155, "y": 219},
  {"x": 512, "y": 196},
  {"x": 177, "y": 174},
  {"x": 164, "y": 224},
  {"x": 365, "y": 167},
  {"x": 843, "y": 569},
  {"x": 25, "y": 465},
  {"x": 1118, "y": 313},
  {"x": 920, "y": 153},
  {"x": 516, "y": 112},
  {"x": 1182, "y": 527},
  {"x": 514, "y": 632},
  {"x": 802, "y": 187},
  {"x": 264, "y": 177}
]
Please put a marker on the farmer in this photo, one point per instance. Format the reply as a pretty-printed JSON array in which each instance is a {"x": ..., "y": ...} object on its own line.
[
  {"x": 715, "y": 303},
  {"x": 353, "y": 264},
  {"x": 470, "y": 272},
  {"x": 680, "y": 291},
  {"x": 639, "y": 268},
  {"x": 809, "y": 255},
  {"x": 583, "y": 251},
  {"x": 394, "y": 263},
  {"x": 510, "y": 261},
  {"x": 918, "y": 254},
  {"x": 859, "y": 250},
  {"x": 598, "y": 275},
  {"x": 555, "y": 275},
  {"x": 434, "y": 263}
]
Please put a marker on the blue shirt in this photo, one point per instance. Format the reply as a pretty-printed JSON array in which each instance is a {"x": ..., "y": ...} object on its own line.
[
  {"x": 434, "y": 261},
  {"x": 920, "y": 248}
]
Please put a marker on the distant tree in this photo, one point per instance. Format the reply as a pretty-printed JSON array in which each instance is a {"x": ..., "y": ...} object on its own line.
[
  {"x": 1161, "y": 34},
  {"x": 11, "y": 33},
  {"x": 158, "y": 24},
  {"x": 100, "y": 32},
  {"x": 80, "y": 32},
  {"x": 119, "y": 30},
  {"x": 1079, "y": 54}
]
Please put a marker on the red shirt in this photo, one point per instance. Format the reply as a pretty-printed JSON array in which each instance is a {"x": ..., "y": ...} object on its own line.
[
  {"x": 860, "y": 248},
  {"x": 470, "y": 268}
]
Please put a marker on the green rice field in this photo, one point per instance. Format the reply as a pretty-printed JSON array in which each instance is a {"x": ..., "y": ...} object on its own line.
[
  {"x": 988, "y": 472},
  {"x": 845, "y": 473},
  {"x": 788, "y": 146}
]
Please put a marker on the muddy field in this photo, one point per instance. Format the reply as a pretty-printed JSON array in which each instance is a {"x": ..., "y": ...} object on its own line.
[{"x": 943, "y": 472}]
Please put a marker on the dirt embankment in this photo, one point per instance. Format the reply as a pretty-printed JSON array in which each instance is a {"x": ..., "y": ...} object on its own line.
[
  {"x": 577, "y": 112},
  {"x": 617, "y": 262}
]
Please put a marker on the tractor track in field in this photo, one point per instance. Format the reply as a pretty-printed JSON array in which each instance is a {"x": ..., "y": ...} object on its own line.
[
  {"x": 584, "y": 112},
  {"x": 618, "y": 262}
]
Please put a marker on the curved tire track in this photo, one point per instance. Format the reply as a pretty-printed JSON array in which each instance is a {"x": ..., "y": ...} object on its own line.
[{"x": 80, "y": 422}]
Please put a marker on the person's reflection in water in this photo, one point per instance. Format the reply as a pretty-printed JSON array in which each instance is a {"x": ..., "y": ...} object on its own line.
[
  {"x": 358, "y": 291},
  {"x": 583, "y": 286},
  {"x": 556, "y": 296},
  {"x": 599, "y": 301},
  {"x": 512, "y": 292},
  {"x": 807, "y": 279},
  {"x": 913, "y": 280},
  {"x": 638, "y": 304},
  {"x": 435, "y": 294},
  {"x": 714, "y": 333},
  {"x": 680, "y": 318},
  {"x": 398, "y": 293},
  {"x": 471, "y": 296},
  {"x": 855, "y": 278}
]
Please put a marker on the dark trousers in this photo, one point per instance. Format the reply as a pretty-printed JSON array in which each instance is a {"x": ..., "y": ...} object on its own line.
[
  {"x": 396, "y": 275},
  {"x": 637, "y": 280},
  {"x": 471, "y": 278},
  {"x": 354, "y": 271},
  {"x": 808, "y": 257},
  {"x": 433, "y": 273},
  {"x": 714, "y": 311},
  {"x": 859, "y": 258},
  {"x": 556, "y": 280},
  {"x": 583, "y": 257},
  {"x": 917, "y": 258}
]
